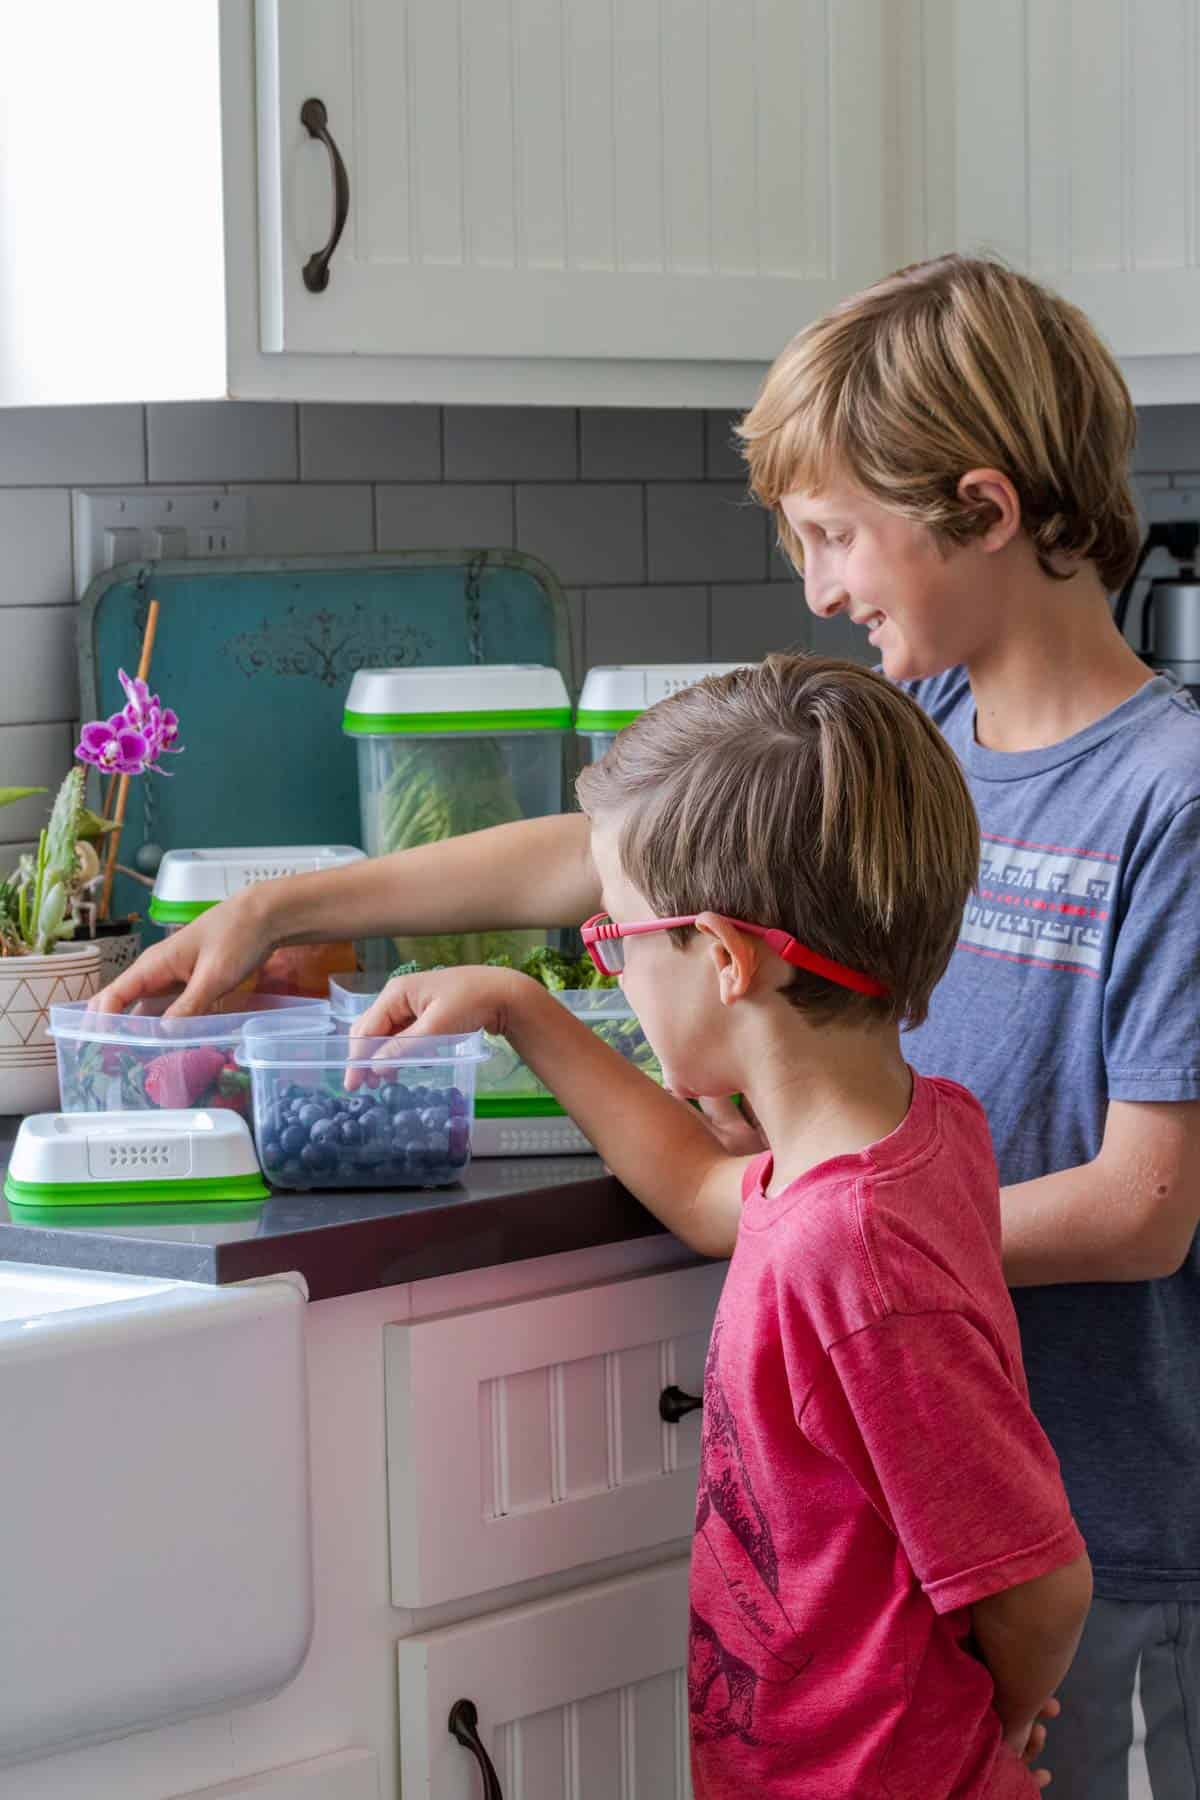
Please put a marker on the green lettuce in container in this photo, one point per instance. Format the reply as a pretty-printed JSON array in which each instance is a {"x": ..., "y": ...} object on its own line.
[{"x": 443, "y": 752}]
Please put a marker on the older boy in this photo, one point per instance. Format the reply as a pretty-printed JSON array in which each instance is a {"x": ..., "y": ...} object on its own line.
[{"x": 967, "y": 501}]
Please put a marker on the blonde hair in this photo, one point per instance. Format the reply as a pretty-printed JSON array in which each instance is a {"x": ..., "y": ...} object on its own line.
[
  {"x": 808, "y": 794},
  {"x": 952, "y": 365}
]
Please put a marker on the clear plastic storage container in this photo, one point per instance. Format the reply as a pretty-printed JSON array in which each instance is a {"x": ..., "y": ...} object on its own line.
[
  {"x": 613, "y": 696},
  {"x": 189, "y": 882},
  {"x": 515, "y": 1115},
  {"x": 409, "y": 1125},
  {"x": 114, "y": 1062},
  {"x": 447, "y": 750}
]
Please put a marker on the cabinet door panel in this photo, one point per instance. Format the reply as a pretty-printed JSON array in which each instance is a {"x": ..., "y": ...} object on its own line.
[
  {"x": 555, "y": 178},
  {"x": 1074, "y": 126},
  {"x": 526, "y": 1439},
  {"x": 579, "y": 1698}
]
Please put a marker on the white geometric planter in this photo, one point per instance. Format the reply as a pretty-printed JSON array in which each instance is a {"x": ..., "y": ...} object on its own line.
[{"x": 29, "y": 986}]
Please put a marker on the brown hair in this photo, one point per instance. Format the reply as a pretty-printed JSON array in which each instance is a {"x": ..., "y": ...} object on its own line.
[
  {"x": 808, "y": 794},
  {"x": 952, "y": 365}
]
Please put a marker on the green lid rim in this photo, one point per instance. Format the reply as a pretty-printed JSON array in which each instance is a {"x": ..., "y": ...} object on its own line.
[
  {"x": 110, "y": 1193},
  {"x": 177, "y": 912},
  {"x": 205, "y": 1212},
  {"x": 517, "y": 1106},
  {"x": 434, "y": 724},
  {"x": 606, "y": 721}
]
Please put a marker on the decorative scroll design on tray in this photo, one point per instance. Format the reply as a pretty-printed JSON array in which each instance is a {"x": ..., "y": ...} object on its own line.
[{"x": 326, "y": 647}]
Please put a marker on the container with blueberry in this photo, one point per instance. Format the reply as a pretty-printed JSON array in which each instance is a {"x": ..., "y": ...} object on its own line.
[{"x": 407, "y": 1122}]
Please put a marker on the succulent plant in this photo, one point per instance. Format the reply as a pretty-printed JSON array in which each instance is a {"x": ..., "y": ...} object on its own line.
[{"x": 36, "y": 904}]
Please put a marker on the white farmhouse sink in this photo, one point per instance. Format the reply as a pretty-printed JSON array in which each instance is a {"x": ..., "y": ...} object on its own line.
[{"x": 154, "y": 1534}]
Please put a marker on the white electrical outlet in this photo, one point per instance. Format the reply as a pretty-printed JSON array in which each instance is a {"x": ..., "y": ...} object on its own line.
[{"x": 155, "y": 525}]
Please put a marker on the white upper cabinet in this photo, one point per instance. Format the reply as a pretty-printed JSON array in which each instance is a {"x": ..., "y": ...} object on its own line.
[
  {"x": 569, "y": 201},
  {"x": 690, "y": 179},
  {"x": 1062, "y": 135}
]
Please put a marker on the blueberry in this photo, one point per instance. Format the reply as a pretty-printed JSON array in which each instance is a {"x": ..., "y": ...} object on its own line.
[
  {"x": 358, "y": 1103},
  {"x": 310, "y": 1114},
  {"x": 404, "y": 1127},
  {"x": 292, "y": 1140},
  {"x": 404, "y": 1100},
  {"x": 320, "y": 1129},
  {"x": 388, "y": 1096},
  {"x": 457, "y": 1102},
  {"x": 458, "y": 1137},
  {"x": 349, "y": 1132},
  {"x": 375, "y": 1123},
  {"x": 292, "y": 1170},
  {"x": 435, "y": 1118},
  {"x": 438, "y": 1143},
  {"x": 373, "y": 1155}
]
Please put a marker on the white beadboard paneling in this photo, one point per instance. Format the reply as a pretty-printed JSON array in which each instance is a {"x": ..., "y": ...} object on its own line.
[
  {"x": 510, "y": 443},
  {"x": 427, "y": 517},
  {"x": 35, "y": 546},
  {"x": 662, "y": 624},
  {"x": 723, "y": 460},
  {"x": 222, "y": 440},
  {"x": 639, "y": 443},
  {"x": 704, "y": 531},
  {"x": 586, "y": 534},
  {"x": 749, "y": 621},
  {"x": 307, "y": 519},
  {"x": 370, "y": 443},
  {"x": 38, "y": 678},
  {"x": 32, "y": 756},
  {"x": 70, "y": 445},
  {"x": 489, "y": 196}
]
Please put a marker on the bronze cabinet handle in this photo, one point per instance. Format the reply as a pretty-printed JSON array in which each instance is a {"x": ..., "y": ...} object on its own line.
[
  {"x": 315, "y": 121},
  {"x": 464, "y": 1728},
  {"x": 673, "y": 1404}
]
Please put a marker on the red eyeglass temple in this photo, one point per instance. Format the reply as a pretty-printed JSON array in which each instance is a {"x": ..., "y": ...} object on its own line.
[{"x": 781, "y": 942}]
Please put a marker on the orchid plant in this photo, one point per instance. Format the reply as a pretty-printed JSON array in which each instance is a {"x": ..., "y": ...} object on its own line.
[
  {"x": 43, "y": 902},
  {"x": 134, "y": 740}
]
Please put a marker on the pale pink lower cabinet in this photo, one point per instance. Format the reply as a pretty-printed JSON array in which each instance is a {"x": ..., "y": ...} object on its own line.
[{"x": 579, "y": 1697}]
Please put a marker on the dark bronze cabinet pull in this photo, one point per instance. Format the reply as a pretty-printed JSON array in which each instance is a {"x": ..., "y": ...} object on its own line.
[
  {"x": 673, "y": 1403},
  {"x": 464, "y": 1728},
  {"x": 315, "y": 121}
]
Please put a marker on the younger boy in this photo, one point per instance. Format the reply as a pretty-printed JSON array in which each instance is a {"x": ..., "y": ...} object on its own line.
[{"x": 886, "y": 1579}]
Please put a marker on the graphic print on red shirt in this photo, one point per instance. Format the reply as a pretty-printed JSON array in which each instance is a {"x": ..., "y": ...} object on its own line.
[
  {"x": 870, "y": 1467},
  {"x": 733, "y": 1531}
]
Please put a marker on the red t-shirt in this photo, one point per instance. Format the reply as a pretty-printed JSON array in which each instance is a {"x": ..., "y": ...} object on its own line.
[{"x": 870, "y": 1467}]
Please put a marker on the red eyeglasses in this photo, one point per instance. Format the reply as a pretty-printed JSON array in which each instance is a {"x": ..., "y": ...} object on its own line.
[{"x": 602, "y": 941}]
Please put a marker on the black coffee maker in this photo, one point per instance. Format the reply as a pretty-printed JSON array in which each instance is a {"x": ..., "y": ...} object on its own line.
[{"x": 1170, "y": 616}]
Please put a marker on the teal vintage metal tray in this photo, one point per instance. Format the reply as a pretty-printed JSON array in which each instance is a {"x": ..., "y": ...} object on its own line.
[{"x": 256, "y": 656}]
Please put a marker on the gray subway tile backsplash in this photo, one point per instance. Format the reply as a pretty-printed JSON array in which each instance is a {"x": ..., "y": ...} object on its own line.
[{"x": 642, "y": 515}]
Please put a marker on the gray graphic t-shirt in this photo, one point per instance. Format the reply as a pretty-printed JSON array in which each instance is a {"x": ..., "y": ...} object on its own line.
[{"x": 1077, "y": 981}]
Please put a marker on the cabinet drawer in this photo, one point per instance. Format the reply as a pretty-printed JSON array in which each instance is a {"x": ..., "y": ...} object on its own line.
[
  {"x": 581, "y": 1697},
  {"x": 526, "y": 1439}
]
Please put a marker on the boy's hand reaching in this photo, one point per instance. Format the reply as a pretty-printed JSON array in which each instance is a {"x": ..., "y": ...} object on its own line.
[{"x": 440, "y": 1003}]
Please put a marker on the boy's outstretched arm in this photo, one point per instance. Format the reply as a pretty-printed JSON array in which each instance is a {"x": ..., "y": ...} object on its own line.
[
  {"x": 660, "y": 1149},
  {"x": 1027, "y": 1635}
]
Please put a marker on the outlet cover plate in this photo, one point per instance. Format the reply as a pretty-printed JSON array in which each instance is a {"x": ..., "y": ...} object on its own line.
[{"x": 153, "y": 524}]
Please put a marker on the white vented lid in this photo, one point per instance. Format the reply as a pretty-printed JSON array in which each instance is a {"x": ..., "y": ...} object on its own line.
[
  {"x": 614, "y": 695},
  {"x": 190, "y": 881}
]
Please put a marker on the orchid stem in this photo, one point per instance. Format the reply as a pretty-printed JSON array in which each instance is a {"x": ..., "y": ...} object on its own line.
[{"x": 114, "y": 836}]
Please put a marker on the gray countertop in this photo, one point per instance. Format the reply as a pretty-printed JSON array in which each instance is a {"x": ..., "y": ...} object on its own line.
[{"x": 504, "y": 1210}]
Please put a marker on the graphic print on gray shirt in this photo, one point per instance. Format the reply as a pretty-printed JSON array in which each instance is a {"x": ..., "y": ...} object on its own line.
[{"x": 1077, "y": 980}]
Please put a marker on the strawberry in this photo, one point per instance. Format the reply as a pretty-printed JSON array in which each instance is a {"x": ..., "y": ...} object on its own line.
[{"x": 179, "y": 1077}]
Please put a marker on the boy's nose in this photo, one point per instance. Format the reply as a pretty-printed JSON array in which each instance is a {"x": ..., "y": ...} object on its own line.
[{"x": 825, "y": 601}]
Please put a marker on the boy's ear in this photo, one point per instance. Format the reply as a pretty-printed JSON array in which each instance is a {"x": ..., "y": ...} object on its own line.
[
  {"x": 735, "y": 955},
  {"x": 993, "y": 496}
]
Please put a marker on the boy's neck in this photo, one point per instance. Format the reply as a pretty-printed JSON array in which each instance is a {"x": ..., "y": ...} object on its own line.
[
  {"x": 823, "y": 1091},
  {"x": 1053, "y": 663}
]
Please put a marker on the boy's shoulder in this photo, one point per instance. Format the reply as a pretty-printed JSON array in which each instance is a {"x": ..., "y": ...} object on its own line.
[
  {"x": 941, "y": 696},
  {"x": 909, "y": 1225}
]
